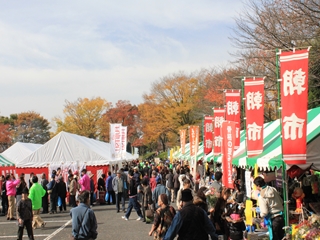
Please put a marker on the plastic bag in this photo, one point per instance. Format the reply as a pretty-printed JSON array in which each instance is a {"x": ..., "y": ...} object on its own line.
[{"x": 59, "y": 202}]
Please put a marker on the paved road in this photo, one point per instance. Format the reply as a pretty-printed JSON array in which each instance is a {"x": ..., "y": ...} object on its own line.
[{"x": 110, "y": 226}]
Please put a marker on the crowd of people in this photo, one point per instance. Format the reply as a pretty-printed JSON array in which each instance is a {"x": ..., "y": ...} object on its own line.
[{"x": 167, "y": 196}]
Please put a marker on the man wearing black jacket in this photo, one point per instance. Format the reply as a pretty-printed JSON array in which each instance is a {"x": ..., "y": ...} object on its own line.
[
  {"x": 133, "y": 199},
  {"x": 191, "y": 222},
  {"x": 45, "y": 205}
]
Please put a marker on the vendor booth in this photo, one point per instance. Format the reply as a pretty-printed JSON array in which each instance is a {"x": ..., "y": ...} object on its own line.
[{"x": 71, "y": 151}]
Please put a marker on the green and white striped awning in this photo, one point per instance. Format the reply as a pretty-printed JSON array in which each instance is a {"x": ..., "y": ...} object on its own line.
[
  {"x": 271, "y": 157},
  {"x": 5, "y": 162}
]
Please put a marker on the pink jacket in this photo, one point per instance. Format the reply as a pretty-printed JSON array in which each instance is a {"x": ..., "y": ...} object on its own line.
[
  {"x": 11, "y": 187},
  {"x": 85, "y": 182}
]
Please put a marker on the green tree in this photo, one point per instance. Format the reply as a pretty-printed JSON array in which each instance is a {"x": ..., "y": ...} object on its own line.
[{"x": 30, "y": 127}]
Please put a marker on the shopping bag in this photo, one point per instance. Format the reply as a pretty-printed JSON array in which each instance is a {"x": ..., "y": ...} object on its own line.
[
  {"x": 149, "y": 213},
  {"x": 107, "y": 197},
  {"x": 59, "y": 202}
]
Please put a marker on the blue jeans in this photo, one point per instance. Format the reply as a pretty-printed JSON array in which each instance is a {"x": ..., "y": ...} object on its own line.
[
  {"x": 133, "y": 203},
  {"x": 120, "y": 196}
]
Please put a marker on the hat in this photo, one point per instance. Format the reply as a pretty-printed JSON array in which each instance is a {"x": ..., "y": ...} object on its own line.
[
  {"x": 91, "y": 175},
  {"x": 119, "y": 171},
  {"x": 136, "y": 168},
  {"x": 25, "y": 190},
  {"x": 186, "y": 195},
  {"x": 75, "y": 173}
]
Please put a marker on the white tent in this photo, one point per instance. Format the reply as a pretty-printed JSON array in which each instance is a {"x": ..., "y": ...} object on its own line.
[
  {"x": 66, "y": 148},
  {"x": 20, "y": 151}
]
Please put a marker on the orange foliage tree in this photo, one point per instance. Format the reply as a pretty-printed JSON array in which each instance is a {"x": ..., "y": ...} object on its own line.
[{"x": 126, "y": 114}]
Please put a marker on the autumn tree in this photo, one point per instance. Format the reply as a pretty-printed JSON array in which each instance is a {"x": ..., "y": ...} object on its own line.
[
  {"x": 128, "y": 115},
  {"x": 5, "y": 137},
  {"x": 84, "y": 117},
  {"x": 30, "y": 127},
  {"x": 174, "y": 103}
]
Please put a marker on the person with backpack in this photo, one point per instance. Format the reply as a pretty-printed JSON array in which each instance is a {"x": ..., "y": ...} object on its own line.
[
  {"x": 162, "y": 218},
  {"x": 84, "y": 222}
]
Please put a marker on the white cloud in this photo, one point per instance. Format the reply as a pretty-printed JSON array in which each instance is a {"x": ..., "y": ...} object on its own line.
[{"x": 56, "y": 50}]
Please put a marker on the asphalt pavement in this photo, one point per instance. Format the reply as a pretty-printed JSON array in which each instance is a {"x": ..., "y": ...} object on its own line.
[{"x": 58, "y": 226}]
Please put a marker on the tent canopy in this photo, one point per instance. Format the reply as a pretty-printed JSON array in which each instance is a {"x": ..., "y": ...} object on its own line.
[
  {"x": 5, "y": 162},
  {"x": 271, "y": 157},
  {"x": 20, "y": 151},
  {"x": 71, "y": 148}
]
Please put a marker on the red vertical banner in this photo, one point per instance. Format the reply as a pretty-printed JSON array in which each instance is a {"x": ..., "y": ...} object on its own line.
[
  {"x": 294, "y": 103},
  {"x": 254, "y": 108},
  {"x": 208, "y": 134},
  {"x": 233, "y": 108},
  {"x": 218, "y": 117},
  {"x": 183, "y": 141},
  {"x": 228, "y": 132}
]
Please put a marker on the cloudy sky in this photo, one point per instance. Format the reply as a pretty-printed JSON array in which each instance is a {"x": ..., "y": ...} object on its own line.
[{"x": 52, "y": 51}]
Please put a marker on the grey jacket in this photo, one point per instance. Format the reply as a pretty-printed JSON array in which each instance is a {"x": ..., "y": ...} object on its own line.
[
  {"x": 84, "y": 222},
  {"x": 270, "y": 202},
  {"x": 115, "y": 184}
]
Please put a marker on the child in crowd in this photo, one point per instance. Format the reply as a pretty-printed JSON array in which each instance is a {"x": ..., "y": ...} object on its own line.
[
  {"x": 235, "y": 221},
  {"x": 24, "y": 215}
]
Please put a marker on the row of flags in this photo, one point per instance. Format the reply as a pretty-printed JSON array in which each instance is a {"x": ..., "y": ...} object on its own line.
[
  {"x": 222, "y": 129},
  {"x": 118, "y": 141}
]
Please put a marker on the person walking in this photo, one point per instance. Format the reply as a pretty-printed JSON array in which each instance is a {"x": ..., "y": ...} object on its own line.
[
  {"x": 191, "y": 222},
  {"x": 217, "y": 183},
  {"x": 169, "y": 184},
  {"x": 119, "y": 186},
  {"x": 219, "y": 211},
  {"x": 84, "y": 222},
  {"x": 159, "y": 190},
  {"x": 25, "y": 215},
  {"x": 20, "y": 187},
  {"x": 176, "y": 184},
  {"x": 73, "y": 188},
  {"x": 162, "y": 218},
  {"x": 109, "y": 188},
  {"x": 4, "y": 197},
  {"x": 146, "y": 198},
  {"x": 35, "y": 194},
  {"x": 45, "y": 202},
  {"x": 11, "y": 185},
  {"x": 186, "y": 185},
  {"x": 133, "y": 199},
  {"x": 53, "y": 192},
  {"x": 84, "y": 181},
  {"x": 271, "y": 207},
  {"x": 62, "y": 193}
]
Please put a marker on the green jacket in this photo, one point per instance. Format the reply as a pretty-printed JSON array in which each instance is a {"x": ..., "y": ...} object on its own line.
[{"x": 36, "y": 193}]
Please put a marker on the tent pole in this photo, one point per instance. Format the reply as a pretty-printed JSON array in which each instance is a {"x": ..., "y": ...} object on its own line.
[
  {"x": 285, "y": 194},
  {"x": 284, "y": 170}
]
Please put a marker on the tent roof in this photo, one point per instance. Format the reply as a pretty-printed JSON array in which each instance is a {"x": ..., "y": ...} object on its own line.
[
  {"x": 67, "y": 147},
  {"x": 272, "y": 154},
  {"x": 20, "y": 151},
  {"x": 5, "y": 162}
]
